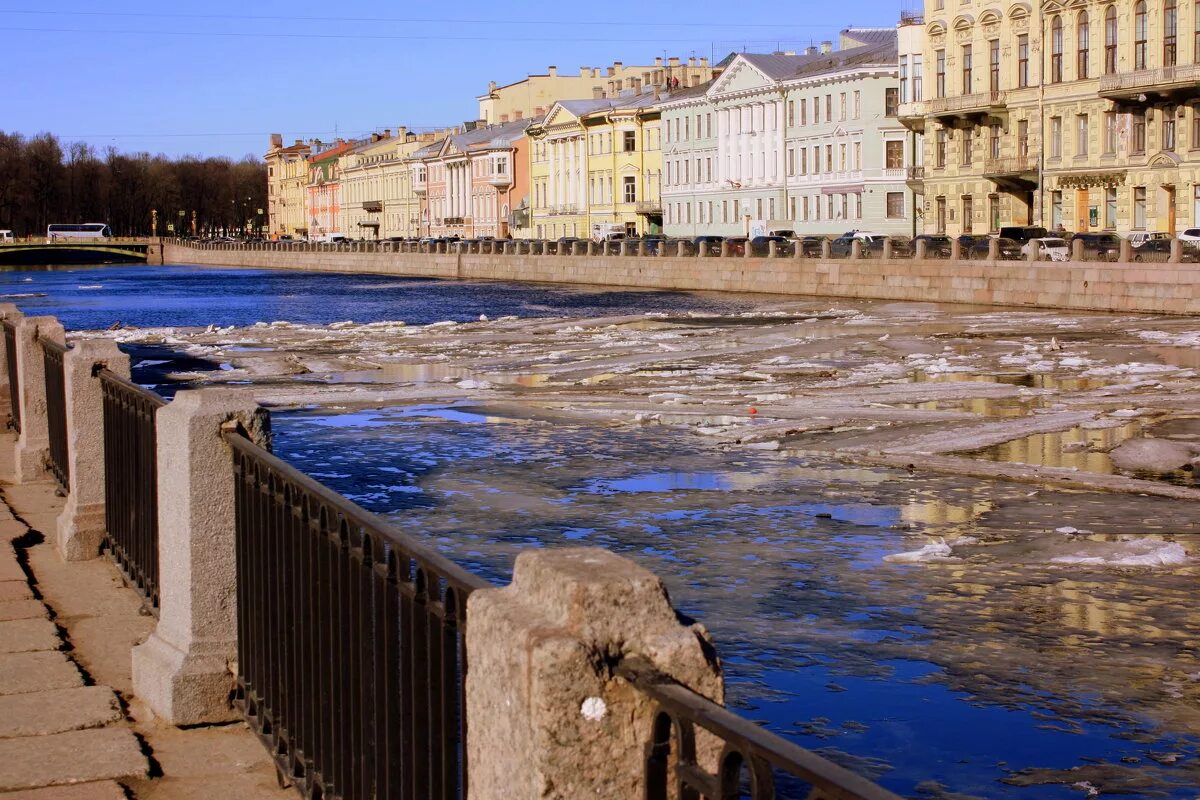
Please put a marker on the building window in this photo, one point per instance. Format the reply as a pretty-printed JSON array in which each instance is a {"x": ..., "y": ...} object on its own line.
[
  {"x": 630, "y": 188},
  {"x": 630, "y": 141},
  {"x": 994, "y": 141},
  {"x": 894, "y": 154},
  {"x": 791, "y": 112},
  {"x": 940, "y": 151},
  {"x": 1140, "y": 25},
  {"x": 1023, "y": 138},
  {"x": 1110, "y": 40},
  {"x": 1168, "y": 129},
  {"x": 895, "y": 205},
  {"x": 1083, "y": 41},
  {"x": 967, "y": 64},
  {"x": 1196, "y": 38},
  {"x": 857, "y": 104},
  {"x": 1056, "y": 50},
  {"x": 1023, "y": 60},
  {"x": 994, "y": 65},
  {"x": 968, "y": 213},
  {"x": 1139, "y": 208},
  {"x": 1081, "y": 135},
  {"x": 1110, "y": 209},
  {"x": 804, "y": 112},
  {"x": 1056, "y": 210},
  {"x": 1110, "y": 133},
  {"x": 993, "y": 213},
  {"x": 1138, "y": 144},
  {"x": 829, "y": 108},
  {"x": 1196, "y": 131},
  {"x": 816, "y": 111},
  {"x": 1170, "y": 33},
  {"x": 968, "y": 144},
  {"x": 842, "y": 107},
  {"x": 941, "y": 215},
  {"x": 1056, "y": 137},
  {"x": 940, "y": 88},
  {"x": 917, "y": 68},
  {"x": 891, "y": 101},
  {"x": 829, "y": 158}
]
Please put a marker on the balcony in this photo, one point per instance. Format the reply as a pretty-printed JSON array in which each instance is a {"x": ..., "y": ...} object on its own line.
[
  {"x": 1148, "y": 85},
  {"x": 501, "y": 180},
  {"x": 912, "y": 115},
  {"x": 914, "y": 178},
  {"x": 1012, "y": 172},
  {"x": 649, "y": 207},
  {"x": 968, "y": 105}
]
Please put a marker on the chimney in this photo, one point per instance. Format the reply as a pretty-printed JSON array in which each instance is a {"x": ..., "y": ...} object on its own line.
[
  {"x": 618, "y": 64},
  {"x": 692, "y": 61},
  {"x": 673, "y": 61},
  {"x": 810, "y": 51},
  {"x": 658, "y": 61},
  {"x": 491, "y": 86},
  {"x": 585, "y": 72},
  {"x": 612, "y": 71},
  {"x": 401, "y": 131},
  {"x": 597, "y": 92},
  {"x": 299, "y": 141},
  {"x": 552, "y": 71},
  {"x": 276, "y": 140},
  {"x": 826, "y": 47},
  {"x": 704, "y": 61}
]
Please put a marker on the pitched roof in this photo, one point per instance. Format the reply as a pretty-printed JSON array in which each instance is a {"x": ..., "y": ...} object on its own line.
[
  {"x": 490, "y": 136},
  {"x": 878, "y": 46}
]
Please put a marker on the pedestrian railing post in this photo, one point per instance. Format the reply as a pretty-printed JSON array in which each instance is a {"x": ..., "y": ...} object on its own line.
[
  {"x": 33, "y": 442},
  {"x": 9, "y": 385},
  {"x": 81, "y": 525},
  {"x": 184, "y": 670}
]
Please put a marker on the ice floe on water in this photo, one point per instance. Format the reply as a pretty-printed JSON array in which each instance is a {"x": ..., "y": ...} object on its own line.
[
  {"x": 1147, "y": 552},
  {"x": 941, "y": 550}
]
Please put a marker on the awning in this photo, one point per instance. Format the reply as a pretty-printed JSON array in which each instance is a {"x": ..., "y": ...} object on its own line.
[{"x": 368, "y": 224}]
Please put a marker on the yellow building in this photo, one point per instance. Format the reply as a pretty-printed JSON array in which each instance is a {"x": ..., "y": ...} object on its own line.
[
  {"x": 287, "y": 187},
  {"x": 532, "y": 96},
  {"x": 377, "y": 194},
  {"x": 596, "y": 168},
  {"x": 1080, "y": 115}
]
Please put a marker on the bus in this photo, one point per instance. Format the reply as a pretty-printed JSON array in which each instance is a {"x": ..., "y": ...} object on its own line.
[{"x": 88, "y": 230}]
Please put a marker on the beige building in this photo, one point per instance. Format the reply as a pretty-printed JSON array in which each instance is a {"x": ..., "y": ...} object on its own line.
[
  {"x": 533, "y": 95},
  {"x": 377, "y": 194},
  {"x": 287, "y": 187},
  {"x": 1083, "y": 115}
]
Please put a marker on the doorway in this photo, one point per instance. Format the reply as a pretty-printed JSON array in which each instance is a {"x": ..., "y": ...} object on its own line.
[{"x": 1081, "y": 209}]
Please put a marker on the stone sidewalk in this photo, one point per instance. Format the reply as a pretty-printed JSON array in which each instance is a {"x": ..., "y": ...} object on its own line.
[{"x": 70, "y": 727}]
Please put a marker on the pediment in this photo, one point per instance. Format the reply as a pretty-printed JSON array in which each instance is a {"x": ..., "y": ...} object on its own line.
[
  {"x": 741, "y": 76},
  {"x": 559, "y": 115},
  {"x": 1165, "y": 158}
]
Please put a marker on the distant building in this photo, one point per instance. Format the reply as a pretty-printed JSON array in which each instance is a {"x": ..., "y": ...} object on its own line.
[
  {"x": 472, "y": 181},
  {"x": 287, "y": 182},
  {"x": 378, "y": 200},
  {"x": 807, "y": 141},
  {"x": 533, "y": 95},
  {"x": 325, "y": 191},
  {"x": 596, "y": 167}
]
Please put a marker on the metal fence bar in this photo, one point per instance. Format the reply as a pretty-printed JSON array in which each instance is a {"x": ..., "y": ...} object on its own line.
[
  {"x": 351, "y": 656},
  {"x": 749, "y": 754},
  {"x": 14, "y": 376},
  {"x": 131, "y": 481},
  {"x": 56, "y": 411}
]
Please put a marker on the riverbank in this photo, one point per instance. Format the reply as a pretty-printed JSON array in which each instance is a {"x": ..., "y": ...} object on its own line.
[{"x": 1137, "y": 288}]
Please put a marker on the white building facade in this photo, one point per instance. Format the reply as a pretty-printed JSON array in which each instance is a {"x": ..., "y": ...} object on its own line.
[{"x": 804, "y": 142}]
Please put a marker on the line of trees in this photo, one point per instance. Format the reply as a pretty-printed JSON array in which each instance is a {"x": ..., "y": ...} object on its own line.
[{"x": 42, "y": 182}]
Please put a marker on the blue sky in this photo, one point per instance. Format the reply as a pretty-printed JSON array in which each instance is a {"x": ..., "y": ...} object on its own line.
[{"x": 216, "y": 78}]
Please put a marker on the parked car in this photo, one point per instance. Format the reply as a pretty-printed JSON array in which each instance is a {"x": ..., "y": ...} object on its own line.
[
  {"x": 1140, "y": 238},
  {"x": 1190, "y": 235},
  {"x": 1007, "y": 250},
  {"x": 565, "y": 244},
  {"x": 937, "y": 245},
  {"x": 810, "y": 246},
  {"x": 1099, "y": 246},
  {"x": 737, "y": 245},
  {"x": 672, "y": 246},
  {"x": 969, "y": 242},
  {"x": 1023, "y": 233},
  {"x": 761, "y": 245},
  {"x": 901, "y": 247},
  {"x": 1048, "y": 248},
  {"x": 841, "y": 247},
  {"x": 712, "y": 243},
  {"x": 1160, "y": 250},
  {"x": 653, "y": 242}
]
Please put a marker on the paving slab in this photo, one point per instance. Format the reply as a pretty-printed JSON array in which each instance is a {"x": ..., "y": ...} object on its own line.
[
  {"x": 68, "y": 758},
  {"x": 12, "y": 529},
  {"x": 15, "y": 590},
  {"x": 10, "y": 570},
  {"x": 22, "y": 609},
  {"x": 37, "y": 672},
  {"x": 26, "y": 635},
  {"x": 57, "y": 711},
  {"x": 103, "y": 790}
]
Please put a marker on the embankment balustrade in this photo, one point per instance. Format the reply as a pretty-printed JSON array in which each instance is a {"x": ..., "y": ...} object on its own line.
[{"x": 369, "y": 665}]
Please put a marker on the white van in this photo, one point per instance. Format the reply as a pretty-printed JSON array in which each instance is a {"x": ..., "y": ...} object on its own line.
[{"x": 6, "y": 237}]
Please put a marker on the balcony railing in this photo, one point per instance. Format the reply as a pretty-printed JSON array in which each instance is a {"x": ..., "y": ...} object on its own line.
[
  {"x": 967, "y": 103},
  {"x": 913, "y": 110},
  {"x": 649, "y": 207},
  {"x": 1151, "y": 80},
  {"x": 1011, "y": 165}
]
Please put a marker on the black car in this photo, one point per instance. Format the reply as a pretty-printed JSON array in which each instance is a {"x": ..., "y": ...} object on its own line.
[
  {"x": 712, "y": 244},
  {"x": 1023, "y": 234},
  {"x": 1100, "y": 246},
  {"x": 901, "y": 247},
  {"x": 565, "y": 245},
  {"x": 937, "y": 245},
  {"x": 761, "y": 245},
  {"x": 1159, "y": 250},
  {"x": 810, "y": 246},
  {"x": 653, "y": 241},
  {"x": 1006, "y": 250}
]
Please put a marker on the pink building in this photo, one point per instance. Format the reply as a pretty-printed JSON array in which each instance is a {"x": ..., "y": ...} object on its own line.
[
  {"x": 470, "y": 183},
  {"x": 324, "y": 191}
]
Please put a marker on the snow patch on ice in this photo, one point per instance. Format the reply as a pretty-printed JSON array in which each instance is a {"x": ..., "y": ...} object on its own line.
[{"x": 1131, "y": 553}]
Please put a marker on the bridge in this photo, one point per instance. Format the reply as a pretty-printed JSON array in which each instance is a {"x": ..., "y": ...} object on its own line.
[{"x": 81, "y": 251}]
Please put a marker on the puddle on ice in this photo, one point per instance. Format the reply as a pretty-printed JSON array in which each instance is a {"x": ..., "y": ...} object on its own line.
[{"x": 988, "y": 674}]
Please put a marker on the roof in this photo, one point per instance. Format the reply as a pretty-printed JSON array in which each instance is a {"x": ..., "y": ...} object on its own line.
[
  {"x": 879, "y": 46},
  {"x": 491, "y": 136},
  {"x": 429, "y": 150},
  {"x": 332, "y": 152}
]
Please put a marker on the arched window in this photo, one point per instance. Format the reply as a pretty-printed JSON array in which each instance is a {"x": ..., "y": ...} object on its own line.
[
  {"x": 1083, "y": 41},
  {"x": 1056, "y": 50},
  {"x": 1170, "y": 33},
  {"x": 1110, "y": 40},
  {"x": 1139, "y": 35}
]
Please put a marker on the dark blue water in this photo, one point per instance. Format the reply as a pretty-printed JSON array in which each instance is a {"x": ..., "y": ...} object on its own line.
[{"x": 174, "y": 296}]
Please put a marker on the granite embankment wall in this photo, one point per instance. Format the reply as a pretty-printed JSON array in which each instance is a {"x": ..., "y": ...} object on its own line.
[{"x": 1143, "y": 288}]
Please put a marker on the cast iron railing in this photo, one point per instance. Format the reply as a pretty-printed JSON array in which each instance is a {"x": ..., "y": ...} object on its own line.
[
  {"x": 56, "y": 411},
  {"x": 14, "y": 377},
  {"x": 749, "y": 756},
  {"x": 351, "y": 658},
  {"x": 131, "y": 481}
]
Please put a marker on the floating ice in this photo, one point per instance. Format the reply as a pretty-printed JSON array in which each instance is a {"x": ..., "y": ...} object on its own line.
[
  {"x": 935, "y": 551},
  {"x": 1132, "y": 553},
  {"x": 473, "y": 384}
]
